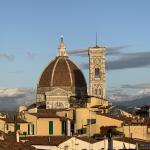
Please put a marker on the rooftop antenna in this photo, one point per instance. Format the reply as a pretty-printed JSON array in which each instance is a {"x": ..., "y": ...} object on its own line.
[{"x": 96, "y": 40}]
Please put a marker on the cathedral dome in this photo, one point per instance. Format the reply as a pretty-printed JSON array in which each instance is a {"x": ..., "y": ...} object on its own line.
[
  {"x": 62, "y": 72},
  {"x": 61, "y": 78}
]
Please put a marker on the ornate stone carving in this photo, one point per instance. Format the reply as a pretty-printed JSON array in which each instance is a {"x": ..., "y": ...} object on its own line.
[
  {"x": 58, "y": 92},
  {"x": 97, "y": 71},
  {"x": 58, "y": 99}
]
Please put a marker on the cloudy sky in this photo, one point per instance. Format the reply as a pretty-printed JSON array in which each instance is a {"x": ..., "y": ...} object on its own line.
[{"x": 30, "y": 33}]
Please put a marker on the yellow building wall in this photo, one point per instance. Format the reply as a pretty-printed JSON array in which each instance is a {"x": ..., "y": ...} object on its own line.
[
  {"x": 82, "y": 114},
  {"x": 11, "y": 127},
  {"x": 2, "y": 124},
  {"x": 107, "y": 121},
  {"x": 103, "y": 121},
  {"x": 137, "y": 131},
  {"x": 31, "y": 119},
  {"x": 24, "y": 127},
  {"x": 68, "y": 114},
  {"x": 92, "y": 101},
  {"x": 43, "y": 126}
]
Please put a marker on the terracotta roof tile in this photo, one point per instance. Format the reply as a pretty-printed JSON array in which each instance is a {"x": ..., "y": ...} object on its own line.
[
  {"x": 45, "y": 140},
  {"x": 46, "y": 115},
  {"x": 132, "y": 140},
  {"x": 10, "y": 120},
  {"x": 10, "y": 144},
  {"x": 62, "y": 72}
]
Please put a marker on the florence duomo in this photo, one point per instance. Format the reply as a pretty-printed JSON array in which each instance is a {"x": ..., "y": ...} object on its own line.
[
  {"x": 60, "y": 81},
  {"x": 66, "y": 93},
  {"x": 55, "y": 93},
  {"x": 65, "y": 109}
]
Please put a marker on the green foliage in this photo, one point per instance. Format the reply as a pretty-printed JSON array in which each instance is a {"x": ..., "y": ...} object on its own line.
[
  {"x": 24, "y": 133},
  {"x": 113, "y": 132},
  {"x": 96, "y": 135},
  {"x": 110, "y": 131}
]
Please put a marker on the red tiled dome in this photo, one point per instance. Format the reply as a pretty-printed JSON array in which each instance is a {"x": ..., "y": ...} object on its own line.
[{"x": 62, "y": 72}]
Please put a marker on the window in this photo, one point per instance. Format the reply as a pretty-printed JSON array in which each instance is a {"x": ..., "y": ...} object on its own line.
[
  {"x": 95, "y": 91},
  {"x": 50, "y": 127},
  {"x": 97, "y": 73},
  {"x": 63, "y": 127},
  {"x": 81, "y": 131},
  {"x": 28, "y": 129},
  {"x": 66, "y": 147},
  {"x": 18, "y": 126},
  {"x": 66, "y": 114},
  {"x": 7, "y": 127},
  {"x": 91, "y": 121},
  {"x": 32, "y": 129},
  {"x": 99, "y": 92}
]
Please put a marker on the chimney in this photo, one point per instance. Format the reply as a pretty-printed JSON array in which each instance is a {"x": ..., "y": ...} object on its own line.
[{"x": 17, "y": 136}]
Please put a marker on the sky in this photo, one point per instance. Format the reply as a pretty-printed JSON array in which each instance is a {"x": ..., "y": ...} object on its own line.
[{"x": 30, "y": 33}]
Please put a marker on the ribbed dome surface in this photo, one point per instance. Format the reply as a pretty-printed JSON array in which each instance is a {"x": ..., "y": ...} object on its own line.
[{"x": 62, "y": 72}]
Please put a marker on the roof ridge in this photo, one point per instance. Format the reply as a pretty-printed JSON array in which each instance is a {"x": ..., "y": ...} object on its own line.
[
  {"x": 70, "y": 74},
  {"x": 54, "y": 68}
]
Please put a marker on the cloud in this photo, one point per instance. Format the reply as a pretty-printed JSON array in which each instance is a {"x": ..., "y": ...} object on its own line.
[
  {"x": 109, "y": 51},
  {"x": 30, "y": 55},
  {"x": 130, "y": 60},
  {"x": 6, "y": 56},
  {"x": 119, "y": 95},
  {"x": 129, "y": 92},
  {"x": 84, "y": 65},
  {"x": 126, "y": 61},
  {"x": 78, "y": 51},
  {"x": 13, "y": 92},
  {"x": 115, "y": 50},
  {"x": 11, "y": 98},
  {"x": 137, "y": 86}
]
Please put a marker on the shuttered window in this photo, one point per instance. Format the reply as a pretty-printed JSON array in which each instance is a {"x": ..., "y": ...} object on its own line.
[
  {"x": 63, "y": 127},
  {"x": 18, "y": 126},
  {"x": 33, "y": 129},
  {"x": 50, "y": 127},
  {"x": 28, "y": 129}
]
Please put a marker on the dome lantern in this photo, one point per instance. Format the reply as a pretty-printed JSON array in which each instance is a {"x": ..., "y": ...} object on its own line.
[{"x": 62, "y": 48}]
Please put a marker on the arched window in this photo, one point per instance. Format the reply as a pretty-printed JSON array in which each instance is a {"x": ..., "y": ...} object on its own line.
[
  {"x": 95, "y": 91},
  {"x": 97, "y": 73},
  {"x": 99, "y": 92}
]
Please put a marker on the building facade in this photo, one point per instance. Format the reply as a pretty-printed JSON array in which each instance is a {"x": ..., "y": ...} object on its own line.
[
  {"x": 60, "y": 82},
  {"x": 97, "y": 86}
]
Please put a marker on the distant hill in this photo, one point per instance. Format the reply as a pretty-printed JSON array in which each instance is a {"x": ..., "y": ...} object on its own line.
[
  {"x": 12, "y": 103},
  {"x": 136, "y": 102}
]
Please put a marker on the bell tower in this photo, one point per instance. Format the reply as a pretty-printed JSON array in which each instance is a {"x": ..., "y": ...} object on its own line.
[{"x": 97, "y": 85}]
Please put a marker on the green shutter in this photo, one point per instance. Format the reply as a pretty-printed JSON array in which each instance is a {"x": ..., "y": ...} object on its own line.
[
  {"x": 63, "y": 127},
  {"x": 18, "y": 126},
  {"x": 33, "y": 129},
  {"x": 50, "y": 127},
  {"x": 28, "y": 129}
]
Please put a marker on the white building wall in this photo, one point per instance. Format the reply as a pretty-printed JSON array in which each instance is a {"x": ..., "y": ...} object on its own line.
[
  {"x": 45, "y": 147},
  {"x": 77, "y": 144},
  {"x": 120, "y": 145}
]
